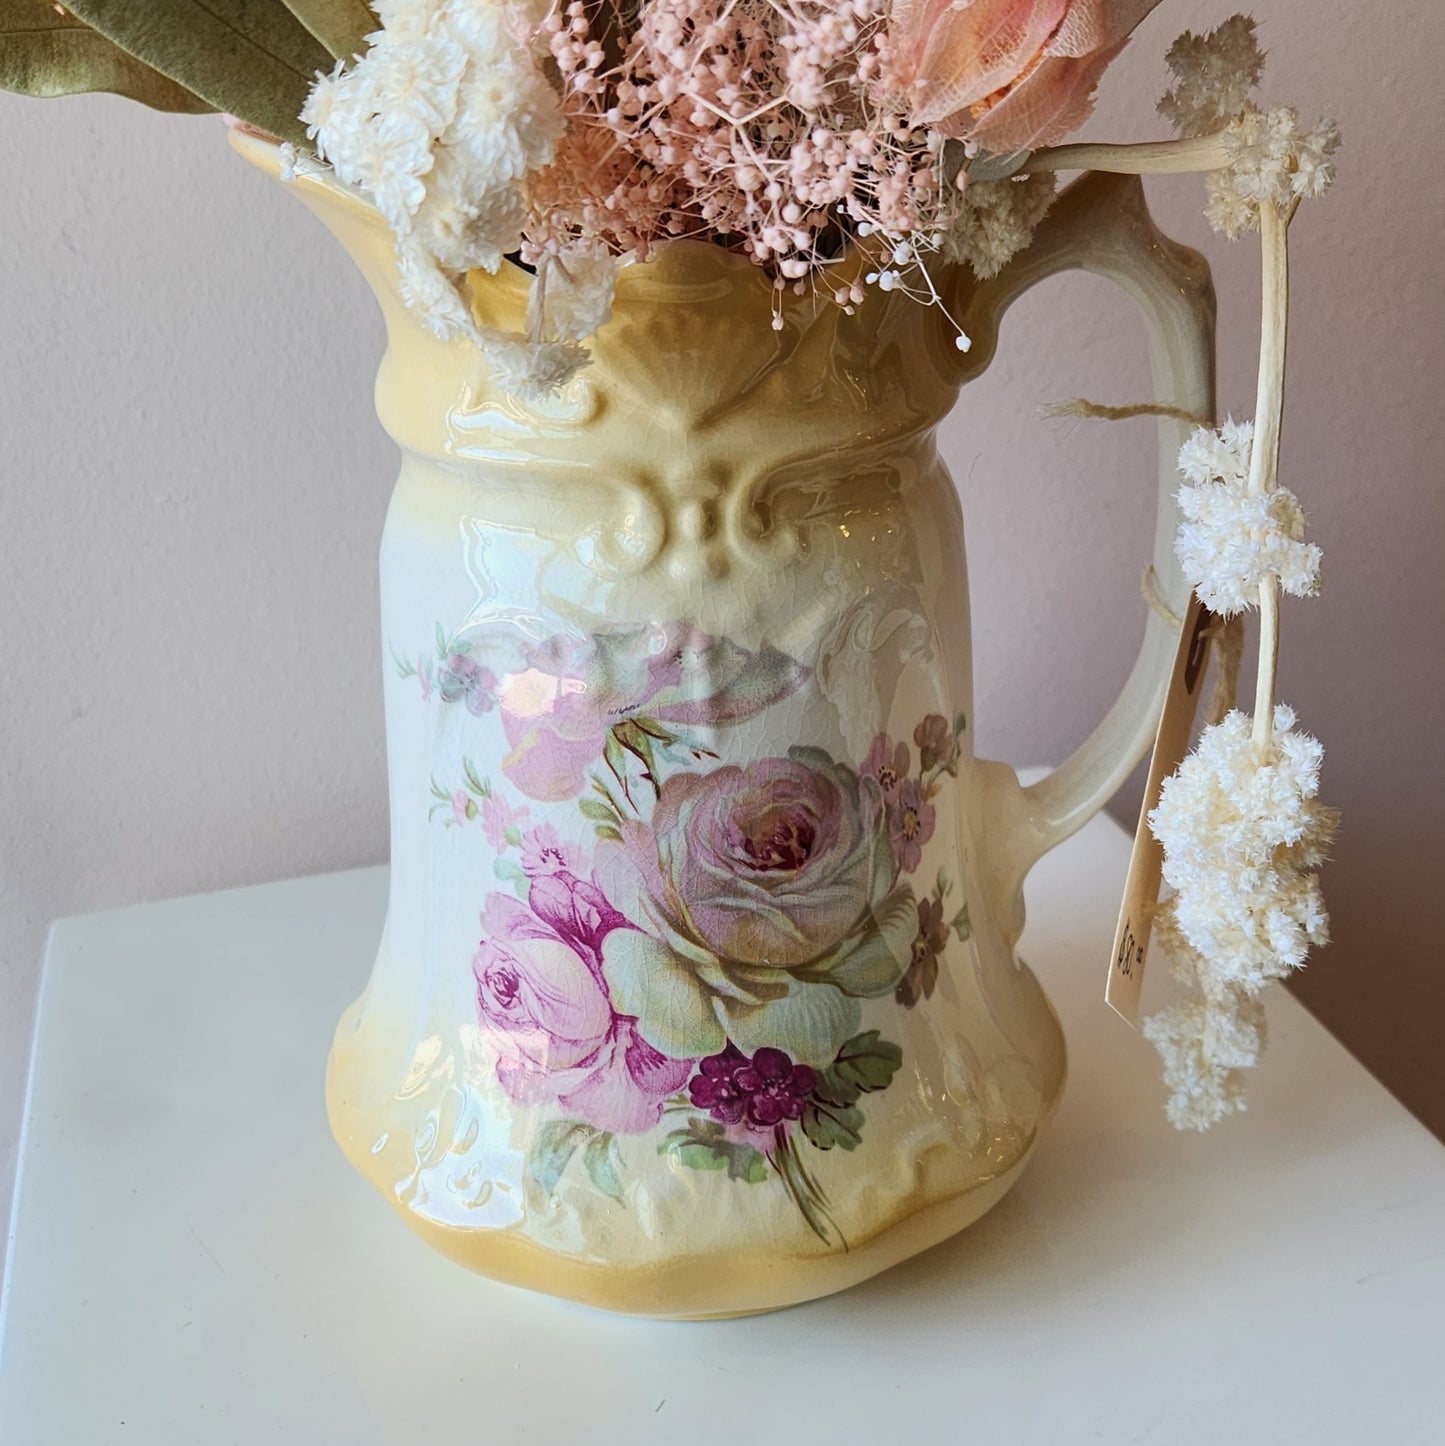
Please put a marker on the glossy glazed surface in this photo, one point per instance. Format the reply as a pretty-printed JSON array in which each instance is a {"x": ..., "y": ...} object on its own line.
[{"x": 697, "y": 993}]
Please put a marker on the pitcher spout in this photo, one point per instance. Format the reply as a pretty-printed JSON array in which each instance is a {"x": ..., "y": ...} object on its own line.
[{"x": 432, "y": 367}]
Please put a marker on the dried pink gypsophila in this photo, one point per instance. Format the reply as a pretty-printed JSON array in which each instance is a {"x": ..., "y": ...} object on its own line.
[{"x": 754, "y": 122}]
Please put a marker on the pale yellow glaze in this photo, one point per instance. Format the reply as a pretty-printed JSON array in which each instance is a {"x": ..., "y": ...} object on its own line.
[{"x": 776, "y": 487}]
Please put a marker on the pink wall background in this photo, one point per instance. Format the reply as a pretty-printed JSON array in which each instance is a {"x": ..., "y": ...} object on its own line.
[{"x": 194, "y": 485}]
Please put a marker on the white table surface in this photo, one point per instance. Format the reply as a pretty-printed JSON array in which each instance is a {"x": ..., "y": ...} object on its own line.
[{"x": 192, "y": 1262}]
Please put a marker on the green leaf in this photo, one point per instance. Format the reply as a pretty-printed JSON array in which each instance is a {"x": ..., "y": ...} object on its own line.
[
  {"x": 639, "y": 743},
  {"x": 829, "y": 1126},
  {"x": 661, "y": 990},
  {"x": 443, "y": 645},
  {"x": 403, "y": 668},
  {"x": 250, "y": 57},
  {"x": 606, "y": 831},
  {"x": 704, "y": 1146},
  {"x": 868, "y": 1061},
  {"x": 597, "y": 812},
  {"x": 340, "y": 25},
  {"x": 865, "y": 1064},
  {"x": 961, "y": 925},
  {"x": 554, "y": 1146},
  {"x": 45, "y": 51},
  {"x": 478, "y": 785},
  {"x": 604, "y": 1165},
  {"x": 809, "y": 1022},
  {"x": 615, "y": 757},
  {"x": 653, "y": 729},
  {"x": 509, "y": 873},
  {"x": 871, "y": 964}
]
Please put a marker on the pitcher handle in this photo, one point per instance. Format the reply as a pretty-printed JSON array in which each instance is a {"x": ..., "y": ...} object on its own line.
[{"x": 1102, "y": 224}]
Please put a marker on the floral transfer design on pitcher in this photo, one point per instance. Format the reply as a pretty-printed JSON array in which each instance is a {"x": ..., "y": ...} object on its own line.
[{"x": 684, "y": 944}]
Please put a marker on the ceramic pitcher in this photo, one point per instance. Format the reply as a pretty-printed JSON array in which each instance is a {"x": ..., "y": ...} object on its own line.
[{"x": 698, "y": 993}]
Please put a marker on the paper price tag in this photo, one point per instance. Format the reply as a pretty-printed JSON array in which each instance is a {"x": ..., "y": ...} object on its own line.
[{"x": 1146, "y": 860}]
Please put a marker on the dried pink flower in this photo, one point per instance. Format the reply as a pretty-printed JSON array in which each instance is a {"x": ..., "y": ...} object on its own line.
[{"x": 1007, "y": 74}]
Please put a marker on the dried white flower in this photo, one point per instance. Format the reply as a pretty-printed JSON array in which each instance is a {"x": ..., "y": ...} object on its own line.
[
  {"x": 440, "y": 124},
  {"x": 532, "y": 370},
  {"x": 571, "y": 297},
  {"x": 1205, "y": 1048},
  {"x": 431, "y": 293},
  {"x": 1242, "y": 838},
  {"x": 508, "y": 121},
  {"x": 1213, "y": 76},
  {"x": 1230, "y": 540},
  {"x": 995, "y": 219},
  {"x": 1272, "y": 160},
  {"x": 418, "y": 77}
]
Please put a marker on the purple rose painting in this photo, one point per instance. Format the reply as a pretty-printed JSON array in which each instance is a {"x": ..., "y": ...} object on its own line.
[{"x": 691, "y": 939}]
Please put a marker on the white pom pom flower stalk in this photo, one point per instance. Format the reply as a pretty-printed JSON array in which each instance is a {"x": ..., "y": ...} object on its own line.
[{"x": 1242, "y": 830}]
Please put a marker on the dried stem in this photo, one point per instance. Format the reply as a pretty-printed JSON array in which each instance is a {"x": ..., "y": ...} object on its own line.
[
  {"x": 1264, "y": 455},
  {"x": 1193, "y": 153}
]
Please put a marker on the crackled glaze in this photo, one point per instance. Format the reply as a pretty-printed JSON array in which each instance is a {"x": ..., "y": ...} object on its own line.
[{"x": 697, "y": 994}]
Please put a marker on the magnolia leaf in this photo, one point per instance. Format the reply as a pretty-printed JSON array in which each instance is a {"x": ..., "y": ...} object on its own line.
[
  {"x": 252, "y": 58},
  {"x": 45, "y": 51},
  {"x": 340, "y": 25}
]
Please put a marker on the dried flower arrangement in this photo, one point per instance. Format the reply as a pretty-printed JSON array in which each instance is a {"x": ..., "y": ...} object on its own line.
[{"x": 578, "y": 135}]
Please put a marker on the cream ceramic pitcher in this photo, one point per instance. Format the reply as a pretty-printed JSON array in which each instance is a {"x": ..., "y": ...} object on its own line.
[{"x": 698, "y": 994}]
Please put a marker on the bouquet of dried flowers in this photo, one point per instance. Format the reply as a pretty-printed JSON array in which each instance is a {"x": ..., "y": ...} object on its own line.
[{"x": 576, "y": 136}]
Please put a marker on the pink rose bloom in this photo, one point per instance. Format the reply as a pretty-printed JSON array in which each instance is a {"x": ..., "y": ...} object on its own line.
[
  {"x": 775, "y": 862},
  {"x": 544, "y": 1009},
  {"x": 558, "y": 709},
  {"x": 1009, "y": 74},
  {"x": 765, "y": 903}
]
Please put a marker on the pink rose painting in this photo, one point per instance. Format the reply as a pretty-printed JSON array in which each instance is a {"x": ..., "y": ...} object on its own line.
[
  {"x": 767, "y": 905},
  {"x": 689, "y": 937},
  {"x": 544, "y": 1008},
  {"x": 1007, "y": 74}
]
